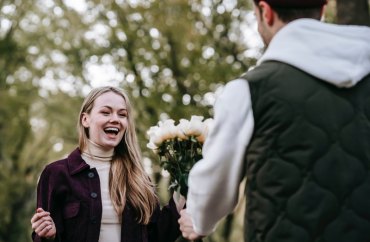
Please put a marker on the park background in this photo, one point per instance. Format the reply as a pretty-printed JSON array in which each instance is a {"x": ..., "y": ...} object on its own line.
[{"x": 172, "y": 57}]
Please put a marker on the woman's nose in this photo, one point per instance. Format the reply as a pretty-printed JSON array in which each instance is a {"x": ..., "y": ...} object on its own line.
[{"x": 114, "y": 118}]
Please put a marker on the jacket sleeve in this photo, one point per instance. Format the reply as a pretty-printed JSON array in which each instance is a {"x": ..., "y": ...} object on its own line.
[
  {"x": 47, "y": 200},
  {"x": 164, "y": 226}
]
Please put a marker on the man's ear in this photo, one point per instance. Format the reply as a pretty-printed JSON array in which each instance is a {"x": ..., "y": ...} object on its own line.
[
  {"x": 267, "y": 13},
  {"x": 85, "y": 120}
]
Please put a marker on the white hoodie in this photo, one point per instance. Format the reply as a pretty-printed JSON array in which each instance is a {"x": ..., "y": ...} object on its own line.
[
  {"x": 334, "y": 53},
  {"x": 337, "y": 54}
]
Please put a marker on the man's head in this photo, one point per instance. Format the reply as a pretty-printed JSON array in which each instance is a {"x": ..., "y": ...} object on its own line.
[
  {"x": 294, "y": 3},
  {"x": 273, "y": 14}
]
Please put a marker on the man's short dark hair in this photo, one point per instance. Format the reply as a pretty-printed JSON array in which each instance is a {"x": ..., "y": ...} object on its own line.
[
  {"x": 287, "y": 14},
  {"x": 294, "y": 3},
  {"x": 290, "y": 14}
]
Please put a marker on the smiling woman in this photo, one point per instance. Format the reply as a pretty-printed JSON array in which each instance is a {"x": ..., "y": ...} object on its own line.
[{"x": 101, "y": 191}]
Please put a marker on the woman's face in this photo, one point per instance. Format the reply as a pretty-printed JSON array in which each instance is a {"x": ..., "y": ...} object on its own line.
[{"x": 107, "y": 121}]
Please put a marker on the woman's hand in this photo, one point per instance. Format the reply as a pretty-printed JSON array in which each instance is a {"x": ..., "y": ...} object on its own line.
[
  {"x": 180, "y": 201},
  {"x": 43, "y": 224}
]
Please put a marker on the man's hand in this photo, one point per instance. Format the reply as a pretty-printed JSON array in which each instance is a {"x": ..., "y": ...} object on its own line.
[
  {"x": 43, "y": 224},
  {"x": 186, "y": 226}
]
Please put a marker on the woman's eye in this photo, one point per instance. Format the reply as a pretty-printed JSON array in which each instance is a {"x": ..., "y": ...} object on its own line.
[
  {"x": 123, "y": 114},
  {"x": 105, "y": 113}
]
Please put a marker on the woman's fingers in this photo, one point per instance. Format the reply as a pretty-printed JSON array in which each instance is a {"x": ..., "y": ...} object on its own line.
[
  {"x": 43, "y": 224},
  {"x": 50, "y": 231},
  {"x": 41, "y": 221},
  {"x": 39, "y": 215},
  {"x": 46, "y": 229},
  {"x": 43, "y": 228},
  {"x": 38, "y": 219}
]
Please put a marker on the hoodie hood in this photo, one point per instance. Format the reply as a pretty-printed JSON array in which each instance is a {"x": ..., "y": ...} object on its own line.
[{"x": 337, "y": 54}]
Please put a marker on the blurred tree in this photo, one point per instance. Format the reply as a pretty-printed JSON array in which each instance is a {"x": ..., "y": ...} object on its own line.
[
  {"x": 347, "y": 8},
  {"x": 27, "y": 129},
  {"x": 16, "y": 185}
]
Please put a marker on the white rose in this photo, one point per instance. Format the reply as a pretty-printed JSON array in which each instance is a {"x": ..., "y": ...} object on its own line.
[
  {"x": 163, "y": 131},
  {"x": 207, "y": 126},
  {"x": 152, "y": 131},
  {"x": 181, "y": 128},
  {"x": 195, "y": 126},
  {"x": 168, "y": 129},
  {"x": 152, "y": 146},
  {"x": 208, "y": 123},
  {"x": 155, "y": 137}
]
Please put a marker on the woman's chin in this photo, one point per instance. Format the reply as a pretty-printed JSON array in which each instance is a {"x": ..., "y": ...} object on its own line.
[{"x": 110, "y": 144}]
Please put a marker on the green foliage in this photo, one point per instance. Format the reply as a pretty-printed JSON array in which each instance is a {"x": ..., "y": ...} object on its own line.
[{"x": 16, "y": 181}]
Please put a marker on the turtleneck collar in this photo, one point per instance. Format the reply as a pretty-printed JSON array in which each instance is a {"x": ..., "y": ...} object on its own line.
[{"x": 96, "y": 152}]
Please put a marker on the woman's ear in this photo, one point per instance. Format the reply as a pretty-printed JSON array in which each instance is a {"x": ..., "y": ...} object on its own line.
[
  {"x": 267, "y": 14},
  {"x": 85, "y": 120}
]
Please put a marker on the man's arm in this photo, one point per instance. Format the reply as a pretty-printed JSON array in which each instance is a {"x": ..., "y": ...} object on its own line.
[{"x": 214, "y": 181}]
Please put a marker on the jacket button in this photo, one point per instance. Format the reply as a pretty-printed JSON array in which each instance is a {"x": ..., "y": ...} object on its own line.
[
  {"x": 93, "y": 195},
  {"x": 91, "y": 174}
]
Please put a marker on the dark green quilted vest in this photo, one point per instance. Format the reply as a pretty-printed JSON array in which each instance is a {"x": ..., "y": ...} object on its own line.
[{"x": 308, "y": 162}]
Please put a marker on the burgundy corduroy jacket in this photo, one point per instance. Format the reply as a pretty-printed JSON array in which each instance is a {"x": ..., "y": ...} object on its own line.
[{"x": 70, "y": 191}]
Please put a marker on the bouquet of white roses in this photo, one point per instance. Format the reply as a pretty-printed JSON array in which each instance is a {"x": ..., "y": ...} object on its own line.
[{"x": 179, "y": 147}]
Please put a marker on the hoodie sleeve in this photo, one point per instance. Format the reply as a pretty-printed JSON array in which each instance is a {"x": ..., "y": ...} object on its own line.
[{"x": 220, "y": 172}]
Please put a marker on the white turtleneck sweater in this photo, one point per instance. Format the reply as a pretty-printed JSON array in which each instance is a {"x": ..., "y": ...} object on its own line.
[{"x": 96, "y": 157}]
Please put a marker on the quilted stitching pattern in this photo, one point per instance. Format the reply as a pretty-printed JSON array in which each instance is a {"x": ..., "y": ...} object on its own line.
[{"x": 308, "y": 162}]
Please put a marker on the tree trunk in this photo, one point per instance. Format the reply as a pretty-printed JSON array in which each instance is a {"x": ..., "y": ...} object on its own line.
[{"x": 354, "y": 12}]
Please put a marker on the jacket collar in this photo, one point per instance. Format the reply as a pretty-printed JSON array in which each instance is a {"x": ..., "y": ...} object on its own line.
[{"x": 75, "y": 162}]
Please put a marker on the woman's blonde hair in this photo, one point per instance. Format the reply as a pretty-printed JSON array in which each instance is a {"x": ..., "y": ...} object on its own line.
[{"x": 127, "y": 178}]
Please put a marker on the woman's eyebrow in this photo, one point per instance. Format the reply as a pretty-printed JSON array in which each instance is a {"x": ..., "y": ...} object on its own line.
[{"x": 109, "y": 107}]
